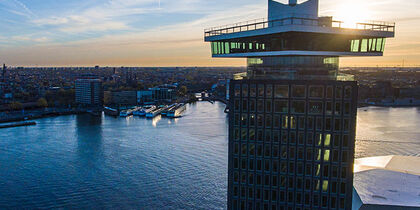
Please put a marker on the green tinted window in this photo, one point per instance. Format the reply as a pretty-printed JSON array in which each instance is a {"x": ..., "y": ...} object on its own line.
[
  {"x": 383, "y": 45},
  {"x": 379, "y": 45},
  {"x": 227, "y": 48},
  {"x": 355, "y": 45},
  {"x": 373, "y": 45},
  {"x": 370, "y": 45},
  {"x": 214, "y": 47},
  {"x": 364, "y": 47}
]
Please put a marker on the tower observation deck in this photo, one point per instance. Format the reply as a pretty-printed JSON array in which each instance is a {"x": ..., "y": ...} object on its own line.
[{"x": 294, "y": 42}]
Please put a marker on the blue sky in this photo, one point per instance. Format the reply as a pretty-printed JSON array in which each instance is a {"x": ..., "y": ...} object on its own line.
[{"x": 165, "y": 32}]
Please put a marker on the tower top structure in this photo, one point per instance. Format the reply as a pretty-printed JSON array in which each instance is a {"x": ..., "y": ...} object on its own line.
[
  {"x": 295, "y": 40},
  {"x": 308, "y": 9}
]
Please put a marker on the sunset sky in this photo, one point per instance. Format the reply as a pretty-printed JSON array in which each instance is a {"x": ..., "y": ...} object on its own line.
[{"x": 168, "y": 32}]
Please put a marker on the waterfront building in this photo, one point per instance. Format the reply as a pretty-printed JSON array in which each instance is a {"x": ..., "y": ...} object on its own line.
[
  {"x": 89, "y": 92},
  {"x": 124, "y": 98},
  {"x": 292, "y": 116},
  {"x": 144, "y": 96},
  {"x": 163, "y": 94}
]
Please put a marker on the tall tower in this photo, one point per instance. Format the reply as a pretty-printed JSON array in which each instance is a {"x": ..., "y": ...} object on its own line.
[{"x": 292, "y": 119}]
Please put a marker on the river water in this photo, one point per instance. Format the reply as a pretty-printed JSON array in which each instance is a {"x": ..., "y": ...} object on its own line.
[{"x": 135, "y": 163}]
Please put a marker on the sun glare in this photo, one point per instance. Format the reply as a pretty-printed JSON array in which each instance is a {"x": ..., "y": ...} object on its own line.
[{"x": 351, "y": 14}]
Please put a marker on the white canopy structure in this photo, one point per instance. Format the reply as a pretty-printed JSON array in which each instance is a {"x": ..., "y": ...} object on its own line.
[{"x": 389, "y": 182}]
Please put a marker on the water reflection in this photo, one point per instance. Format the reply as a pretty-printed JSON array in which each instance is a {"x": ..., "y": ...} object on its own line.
[
  {"x": 89, "y": 136},
  {"x": 156, "y": 120}
]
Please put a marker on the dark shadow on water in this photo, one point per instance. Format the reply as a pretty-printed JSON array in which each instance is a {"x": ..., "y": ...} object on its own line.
[{"x": 89, "y": 137}]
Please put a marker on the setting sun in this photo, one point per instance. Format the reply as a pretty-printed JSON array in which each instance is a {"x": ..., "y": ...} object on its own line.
[{"x": 351, "y": 14}]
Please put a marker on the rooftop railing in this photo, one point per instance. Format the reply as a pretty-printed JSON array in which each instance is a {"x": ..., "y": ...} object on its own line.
[{"x": 321, "y": 22}]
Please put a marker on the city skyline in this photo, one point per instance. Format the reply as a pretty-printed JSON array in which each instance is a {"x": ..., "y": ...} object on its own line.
[{"x": 165, "y": 33}]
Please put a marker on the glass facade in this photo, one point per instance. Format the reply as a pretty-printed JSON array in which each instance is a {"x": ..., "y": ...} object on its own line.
[
  {"x": 294, "y": 67},
  {"x": 294, "y": 41},
  {"x": 368, "y": 45},
  {"x": 291, "y": 144}
]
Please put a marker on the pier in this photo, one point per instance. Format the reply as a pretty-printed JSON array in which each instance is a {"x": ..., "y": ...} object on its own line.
[{"x": 21, "y": 124}]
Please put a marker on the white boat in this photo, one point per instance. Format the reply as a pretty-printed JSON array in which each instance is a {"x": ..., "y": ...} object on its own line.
[
  {"x": 166, "y": 111},
  {"x": 128, "y": 112},
  {"x": 177, "y": 110},
  {"x": 110, "y": 111},
  {"x": 142, "y": 112},
  {"x": 157, "y": 111}
]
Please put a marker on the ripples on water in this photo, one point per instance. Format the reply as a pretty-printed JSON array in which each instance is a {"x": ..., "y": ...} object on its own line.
[
  {"x": 388, "y": 131},
  {"x": 85, "y": 162},
  {"x": 114, "y": 163}
]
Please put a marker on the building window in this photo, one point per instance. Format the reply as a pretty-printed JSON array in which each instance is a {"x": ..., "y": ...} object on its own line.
[
  {"x": 260, "y": 90},
  {"x": 251, "y": 134},
  {"x": 338, "y": 92},
  {"x": 252, "y": 120},
  {"x": 244, "y": 135},
  {"x": 308, "y": 171},
  {"x": 316, "y": 92},
  {"x": 269, "y": 91},
  {"x": 293, "y": 122},
  {"x": 309, "y": 154},
  {"x": 347, "y": 108},
  {"x": 329, "y": 92},
  {"x": 236, "y": 134},
  {"x": 268, "y": 121},
  {"x": 338, "y": 108},
  {"x": 276, "y": 136},
  {"x": 337, "y": 125},
  {"x": 244, "y": 105},
  {"x": 277, "y": 122},
  {"x": 315, "y": 107},
  {"x": 235, "y": 177},
  {"x": 268, "y": 136},
  {"x": 251, "y": 164},
  {"x": 253, "y": 90},
  {"x": 250, "y": 193},
  {"x": 260, "y": 120},
  {"x": 309, "y": 139},
  {"x": 243, "y": 178},
  {"x": 237, "y": 91},
  {"x": 298, "y": 91},
  {"x": 281, "y": 106},
  {"x": 326, "y": 155},
  {"x": 268, "y": 106},
  {"x": 259, "y": 150},
  {"x": 244, "y": 120},
  {"x": 260, "y": 106},
  {"x": 284, "y": 137},
  {"x": 252, "y": 105},
  {"x": 285, "y": 122},
  {"x": 345, "y": 141},
  {"x": 244, "y": 149},
  {"x": 281, "y": 91},
  {"x": 298, "y": 107},
  {"x": 245, "y": 91}
]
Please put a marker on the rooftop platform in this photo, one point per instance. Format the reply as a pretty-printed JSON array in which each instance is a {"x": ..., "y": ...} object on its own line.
[
  {"x": 323, "y": 25},
  {"x": 297, "y": 53},
  {"x": 389, "y": 182}
]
